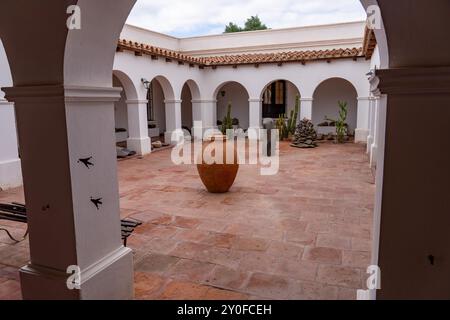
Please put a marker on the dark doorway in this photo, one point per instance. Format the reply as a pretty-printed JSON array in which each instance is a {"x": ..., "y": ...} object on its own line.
[{"x": 274, "y": 100}]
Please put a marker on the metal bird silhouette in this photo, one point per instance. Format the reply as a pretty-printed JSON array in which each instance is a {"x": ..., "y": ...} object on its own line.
[
  {"x": 97, "y": 202},
  {"x": 87, "y": 162}
]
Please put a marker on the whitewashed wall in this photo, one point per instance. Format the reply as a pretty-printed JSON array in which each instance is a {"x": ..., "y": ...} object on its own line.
[
  {"x": 304, "y": 79},
  {"x": 238, "y": 97},
  {"x": 326, "y": 99}
]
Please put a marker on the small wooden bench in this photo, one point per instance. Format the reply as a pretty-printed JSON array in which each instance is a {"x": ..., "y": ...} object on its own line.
[{"x": 18, "y": 213}]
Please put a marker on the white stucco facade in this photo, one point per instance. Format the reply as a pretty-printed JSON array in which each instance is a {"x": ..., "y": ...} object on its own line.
[{"x": 185, "y": 93}]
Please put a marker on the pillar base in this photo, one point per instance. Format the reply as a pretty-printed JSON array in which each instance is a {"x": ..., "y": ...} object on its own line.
[
  {"x": 109, "y": 279},
  {"x": 361, "y": 135},
  {"x": 373, "y": 155},
  {"x": 141, "y": 146},
  {"x": 369, "y": 143},
  {"x": 168, "y": 138},
  {"x": 10, "y": 174}
]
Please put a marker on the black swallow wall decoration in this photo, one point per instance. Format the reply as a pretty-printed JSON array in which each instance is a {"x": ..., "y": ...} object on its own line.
[
  {"x": 97, "y": 202},
  {"x": 87, "y": 162}
]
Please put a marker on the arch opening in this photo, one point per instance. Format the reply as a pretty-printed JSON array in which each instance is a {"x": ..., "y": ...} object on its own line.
[
  {"x": 159, "y": 93},
  {"x": 236, "y": 94},
  {"x": 325, "y": 104},
  {"x": 189, "y": 94},
  {"x": 279, "y": 98}
]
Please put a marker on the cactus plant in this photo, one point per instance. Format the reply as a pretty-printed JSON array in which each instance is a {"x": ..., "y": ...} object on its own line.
[
  {"x": 341, "y": 124},
  {"x": 282, "y": 127},
  {"x": 227, "y": 123},
  {"x": 292, "y": 122}
]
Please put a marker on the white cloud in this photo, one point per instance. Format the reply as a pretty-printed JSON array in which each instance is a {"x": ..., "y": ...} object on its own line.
[{"x": 197, "y": 17}]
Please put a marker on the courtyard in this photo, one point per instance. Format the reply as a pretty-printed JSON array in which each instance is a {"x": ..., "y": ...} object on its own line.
[{"x": 304, "y": 233}]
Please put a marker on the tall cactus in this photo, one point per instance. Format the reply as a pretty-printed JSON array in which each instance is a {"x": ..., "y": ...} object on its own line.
[
  {"x": 227, "y": 121},
  {"x": 292, "y": 122}
]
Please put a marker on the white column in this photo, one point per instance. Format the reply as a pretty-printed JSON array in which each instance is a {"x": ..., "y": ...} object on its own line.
[
  {"x": 59, "y": 127},
  {"x": 306, "y": 105},
  {"x": 370, "y": 137},
  {"x": 10, "y": 170},
  {"x": 206, "y": 112},
  {"x": 255, "y": 117},
  {"x": 362, "y": 130},
  {"x": 376, "y": 133},
  {"x": 138, "y": 139},
  {"x": 173, "y": 118}
]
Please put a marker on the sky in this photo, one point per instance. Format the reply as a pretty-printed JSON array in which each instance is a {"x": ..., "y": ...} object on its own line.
[{"x": 185, "y": 18}]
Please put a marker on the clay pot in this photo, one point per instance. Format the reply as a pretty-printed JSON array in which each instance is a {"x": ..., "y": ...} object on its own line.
[{"x": 218, "y": 178}]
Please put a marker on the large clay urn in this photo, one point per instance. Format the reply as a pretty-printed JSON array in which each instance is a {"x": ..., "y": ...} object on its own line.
[{"x": 218, "y": 177}]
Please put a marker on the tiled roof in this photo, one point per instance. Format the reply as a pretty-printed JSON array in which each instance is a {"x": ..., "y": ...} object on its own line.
[
  {"x": 369, "y": 44},
  {"x": 291, "y": 56},
  {"x": 258, "y": 58}
]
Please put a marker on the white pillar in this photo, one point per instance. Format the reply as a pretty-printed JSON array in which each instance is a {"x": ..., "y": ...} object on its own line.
[
  {"x": 370, "y": 137},
  {"x": 58, "y": 127},
  {"x": 206, "y": 112},
  {"x": 376, "y": 133},
  {"x": 306, "y": 105},
  {"x": 173, "y": 118},
  {"x": 138, "y": 139},
  {"x": 255, "y": 117},
  {"x": 10, "y": 170},
  {"x": 362, "y": 126}
]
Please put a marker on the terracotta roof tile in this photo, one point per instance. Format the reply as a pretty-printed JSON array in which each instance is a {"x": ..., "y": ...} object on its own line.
[
  {"x": 255, "y": 58},
  {"x": 369, "y": 44}
]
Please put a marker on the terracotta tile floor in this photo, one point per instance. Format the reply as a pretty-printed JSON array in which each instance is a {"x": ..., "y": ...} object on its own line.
[{"x": 302, "y": 234}]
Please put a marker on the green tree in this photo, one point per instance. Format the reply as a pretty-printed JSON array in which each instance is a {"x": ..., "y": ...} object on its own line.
[
  {"x": 253, "y": 23},
  {"x": 232, "y": 27}
]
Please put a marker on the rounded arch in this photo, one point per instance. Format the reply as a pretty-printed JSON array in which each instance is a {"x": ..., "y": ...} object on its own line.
[
  {"x": 190, "y": 93},
  {"x": 292, "y": 83},
  {"x": 169, "y": 92},
  {"x": 348, "y": 82},
  {"x": 325, "y": 102},
  {"x": 128, "y": 85},
  {"x": 360, "y": 87},
  {"x": 194, "y": 88},
  {"x": 228, "y": 82},
  {"x": 278, "y": 97},
  {"x": 237, "y": 94}
]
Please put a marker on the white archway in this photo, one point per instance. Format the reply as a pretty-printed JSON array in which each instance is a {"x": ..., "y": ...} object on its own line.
[
  {"x": 279, "y": 98},
  {"x": 234, "y": 93},
  {"x": 326, "y": 98},
  {"x": 190, "y": 105}
]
